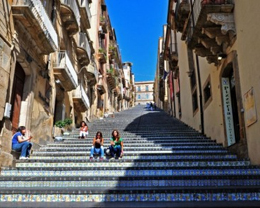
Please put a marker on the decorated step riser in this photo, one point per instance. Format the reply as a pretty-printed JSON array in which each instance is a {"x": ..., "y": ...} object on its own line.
[
  {"x": 137, "y": 164},
  {"x": 138, "y": 152},
  {"x": 131, "y": 197},
  {"x": 142, "y": 157},
  {"x": 141, "y": 148},
  {"x": 131, "y": 144},
  {"x": 131, "y": 183},
  {"x": 121, "y": 173}
]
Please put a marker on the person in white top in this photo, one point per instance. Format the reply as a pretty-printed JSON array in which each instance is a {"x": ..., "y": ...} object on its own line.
[{"x": 83, "y": 130}]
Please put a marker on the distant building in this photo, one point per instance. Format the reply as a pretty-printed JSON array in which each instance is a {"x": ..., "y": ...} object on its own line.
[{"x": 144, "y": 92}]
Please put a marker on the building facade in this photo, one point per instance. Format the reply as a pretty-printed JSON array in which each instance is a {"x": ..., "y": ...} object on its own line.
[
  {"x": 58, "y": 60},
  {"x": 144, "y": 92},
  {"x": 209, "y": 53}
]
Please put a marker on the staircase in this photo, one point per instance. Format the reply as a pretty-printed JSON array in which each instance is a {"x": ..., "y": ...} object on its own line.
[{"x": 165, "y": 164}]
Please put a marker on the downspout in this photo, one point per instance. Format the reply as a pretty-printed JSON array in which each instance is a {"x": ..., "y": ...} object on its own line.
[{"x": 199, "y": 80}]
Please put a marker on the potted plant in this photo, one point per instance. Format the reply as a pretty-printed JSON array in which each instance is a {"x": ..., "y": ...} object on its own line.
[{"x": 64, "y": 125}]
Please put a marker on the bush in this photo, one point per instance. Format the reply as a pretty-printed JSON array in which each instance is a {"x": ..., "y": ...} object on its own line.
[{"x": 62, "y": 124}]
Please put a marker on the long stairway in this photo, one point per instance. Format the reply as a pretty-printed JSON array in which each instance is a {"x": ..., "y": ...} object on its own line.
[{"x": 165, "y": 164}]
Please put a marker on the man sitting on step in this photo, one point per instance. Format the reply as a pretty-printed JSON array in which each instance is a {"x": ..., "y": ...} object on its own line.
[{"x": 97, "y": 147}]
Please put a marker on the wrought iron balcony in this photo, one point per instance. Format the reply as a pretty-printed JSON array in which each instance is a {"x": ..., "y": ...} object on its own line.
[
  {"x": 102, "y": 55},
  {"x": 83, "y": 50},
  {"x": 211, "y": 29},
  {"x": 85, "y": 14},
  {"x": 70, "y": 16},
  {"x": 103, "y": 23},
  {"x": 111, "y": 79},
  {"x": 34, "y": 18},
  {"x": 64, "y": 71},
  {"x": 80, "y": 99}
]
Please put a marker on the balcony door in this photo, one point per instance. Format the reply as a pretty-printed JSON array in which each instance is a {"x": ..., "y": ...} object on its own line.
[{"x": 17, "y": 94}]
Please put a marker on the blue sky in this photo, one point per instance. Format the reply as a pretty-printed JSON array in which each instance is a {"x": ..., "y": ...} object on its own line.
[{"x": 138, "y": 25}]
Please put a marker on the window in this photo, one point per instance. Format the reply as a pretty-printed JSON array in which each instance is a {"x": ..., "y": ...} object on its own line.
[
  {"x": 147, "y": 96},
  {"x": 146, "y": 88},
  {"x": 207, "y": 92},
  {"x": 139, "y": 97},
  {"x": 138, "y": 88}
]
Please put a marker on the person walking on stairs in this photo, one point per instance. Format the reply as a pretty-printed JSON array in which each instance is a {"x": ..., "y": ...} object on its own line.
[
  {"x": 83, "y": 130},
  {"x": 97, "y": 147},
  {"x": 116, "y": 147},
  {"x": 21, "y": 143}
]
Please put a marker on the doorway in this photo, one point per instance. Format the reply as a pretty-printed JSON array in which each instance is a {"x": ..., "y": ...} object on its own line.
[{"x": 17, "y": 95}]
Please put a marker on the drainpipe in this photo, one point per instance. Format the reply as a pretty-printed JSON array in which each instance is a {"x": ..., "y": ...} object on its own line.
[{"x": 199, "y": 80}]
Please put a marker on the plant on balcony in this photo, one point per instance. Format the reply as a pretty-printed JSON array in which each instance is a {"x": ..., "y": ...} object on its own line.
[{"x": 110, "y": 71}]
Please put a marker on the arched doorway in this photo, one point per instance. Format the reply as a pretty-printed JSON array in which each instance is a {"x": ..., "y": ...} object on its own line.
[{"x": 17, "y": 95}]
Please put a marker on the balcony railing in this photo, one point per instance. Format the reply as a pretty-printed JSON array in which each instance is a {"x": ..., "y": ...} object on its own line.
[
  {"x": 64, "y": 71},
  {"x": 83, "y": 50},
  {"x": 80, "y": 99},
  {"x": 85, "y": 13},
  {"x": 70, "y": 16},
  {"x": 33, "y": 16}
]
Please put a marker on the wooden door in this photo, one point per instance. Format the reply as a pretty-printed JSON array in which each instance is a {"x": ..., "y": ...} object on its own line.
[{"x": 17, "y": 95}]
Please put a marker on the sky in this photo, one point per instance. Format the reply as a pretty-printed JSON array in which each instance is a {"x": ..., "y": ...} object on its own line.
[{"x": 138, "y": 25}]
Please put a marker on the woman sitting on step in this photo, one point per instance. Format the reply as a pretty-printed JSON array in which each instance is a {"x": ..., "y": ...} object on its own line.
[
  {"x": 83, "y": 130},
  {"x": 97, "y": 147},
  {"x": 116, "y": 147},
  {"x": 22, "y": 144}
]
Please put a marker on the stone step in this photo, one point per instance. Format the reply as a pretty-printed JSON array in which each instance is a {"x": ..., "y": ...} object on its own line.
[
  {"x": 125, "y": 164},
  {"x": 118, "y": 172}
]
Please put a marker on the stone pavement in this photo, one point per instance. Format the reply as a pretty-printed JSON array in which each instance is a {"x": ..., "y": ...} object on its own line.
[{"x": 166, "y": 164}]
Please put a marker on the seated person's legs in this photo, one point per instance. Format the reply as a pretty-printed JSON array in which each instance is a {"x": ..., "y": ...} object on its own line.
[
  {"x": 118, "y": 151},
  {"x": 112, "y": 151},
  {"x": 28, "y": 149}
]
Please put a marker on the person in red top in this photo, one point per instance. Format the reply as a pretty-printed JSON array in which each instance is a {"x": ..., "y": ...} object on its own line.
[{"x": 83, "y": 130}]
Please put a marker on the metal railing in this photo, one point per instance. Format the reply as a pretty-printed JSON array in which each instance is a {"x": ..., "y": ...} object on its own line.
[
  {"x": 74, "y": 7},
  {"x": 84, "y": 97},
  {"x": 83, "y": 42},
  {"x": 63, "y": 61},
  {"x": 41, "y": 15}
]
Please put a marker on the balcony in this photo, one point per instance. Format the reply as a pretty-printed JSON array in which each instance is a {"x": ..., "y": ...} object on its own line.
[
  {"x": 80, "y": 99},
  {"x": 70, "y": 16},
  {"x": 100, "y": 86},
  {"x": 102, "y": 58},
  {"x": 64, "y": 71},
  {"x": 32, "y": 15},
  {"x": 213, "y": 30},
  {"x": 103, "y": 23},
  {"x": 111, "y": 80},
  {"x": 92, "y": 74},
  {"x": 85, "y": 14},
  {"x": 83, "y": 50},
  {"x": 182, "y": 11}
]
